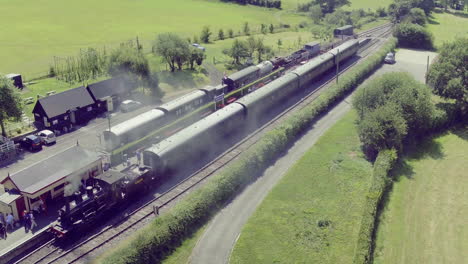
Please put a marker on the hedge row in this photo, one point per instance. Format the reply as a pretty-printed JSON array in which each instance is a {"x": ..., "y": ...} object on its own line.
[
  {"x": 383, "y": 164},
  {"x": 161, "y": 237}
]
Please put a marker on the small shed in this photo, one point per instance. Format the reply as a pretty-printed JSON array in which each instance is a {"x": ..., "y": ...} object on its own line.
[
  {"x": 16, "y": 78},
  {"x": 343, "y": 31},
  {"x": 313, "y": 48},
  {"x": 46, "y": 179},
  {"x": 63, "y": 110},
  {"x": 110, "y": 92}
]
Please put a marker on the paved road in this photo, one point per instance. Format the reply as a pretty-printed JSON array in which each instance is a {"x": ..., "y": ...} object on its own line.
[{"x": 218, "y": 240}]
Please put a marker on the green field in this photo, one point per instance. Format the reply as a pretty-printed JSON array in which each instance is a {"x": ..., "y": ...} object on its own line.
[
  {"x": 327, "y": 185},
  {"x": 425, "y": 219},
  {"x": 446, "y": 27},
  {"x": 35, "y": 31}
]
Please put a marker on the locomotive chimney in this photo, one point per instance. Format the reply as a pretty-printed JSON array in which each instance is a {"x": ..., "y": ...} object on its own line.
[
  {"x": 78, "y": 198},
  {"x": 89, "y": 191}
]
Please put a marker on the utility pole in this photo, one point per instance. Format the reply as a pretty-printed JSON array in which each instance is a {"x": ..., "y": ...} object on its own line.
[
  {"x": 109, "y": 120},
  {"x": 427, "y": 67},
  {"x": 337, "y": 65}
]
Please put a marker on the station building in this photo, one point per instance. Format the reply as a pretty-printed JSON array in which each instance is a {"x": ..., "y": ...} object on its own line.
[{"x": 46, "y": 179}]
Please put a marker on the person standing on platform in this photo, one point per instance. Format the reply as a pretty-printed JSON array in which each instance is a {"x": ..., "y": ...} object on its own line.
[
  {"x": 3, "y": 232},
  {"x": 26, "y": 221},
  {"x": 9, "y": 221},
  {"x": 32, "y": 220}
]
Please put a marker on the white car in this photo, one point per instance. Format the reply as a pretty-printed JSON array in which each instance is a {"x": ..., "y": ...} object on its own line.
[
  {"x": 129, "y": 105},
  {"x": 47, "y": 136},
  {"x": 390, "y": 58}
]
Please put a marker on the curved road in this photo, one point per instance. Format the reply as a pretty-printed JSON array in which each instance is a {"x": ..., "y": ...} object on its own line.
[{"x": 218, "y": 240}]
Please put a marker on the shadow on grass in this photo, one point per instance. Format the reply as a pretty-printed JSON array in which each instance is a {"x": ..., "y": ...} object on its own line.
[
  {"x": 431, "y": 20},
  {"x": 461, "y": 132},
  {"x": 457, "y": 13}
]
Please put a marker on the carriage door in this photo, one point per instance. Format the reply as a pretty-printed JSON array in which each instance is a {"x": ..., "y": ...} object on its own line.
[{"x": 20, "y": 206}]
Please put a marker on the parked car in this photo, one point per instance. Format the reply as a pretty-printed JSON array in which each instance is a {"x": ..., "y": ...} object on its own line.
[
  {"x": 390, "y": 58},
  {"x": 129, "y": 105},
  {"x": 31, "y": 142},
  {"x": 47, "y": 136}
]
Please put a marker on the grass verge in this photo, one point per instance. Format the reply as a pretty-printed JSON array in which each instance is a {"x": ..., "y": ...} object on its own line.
[
  {"x": 313, "y": 213},
  {"x": 424, "y": 220}
]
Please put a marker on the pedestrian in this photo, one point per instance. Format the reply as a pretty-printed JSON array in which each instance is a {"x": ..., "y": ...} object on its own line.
[
  {"x": 2, "y": 219},
  {"x": 26, "y": 221},
  {"x": 9, "y": 221},
  {"x": 32, "y": 220},
  {"x": 3, "y": 231},
  {"x": 42, "y": 206}
]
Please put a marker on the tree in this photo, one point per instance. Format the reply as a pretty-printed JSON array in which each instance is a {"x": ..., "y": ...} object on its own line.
[
  {"x": 272, "y": 28},
  {"x": 338, "y": 18},
  {"x": 173, "y": 48},
  {"x": 251, "y": 45},
  {"x": 329, "y": 6},
  {"x": 316, "y": 13},
  {"x": 417, "y": 16},
  {"x": 195, "y": 39},
  {"x": 231, "y": 33},
  {"x": 196, "y": 56},
  {"x": 262, "y": 49},
  {"x": 263, "y": 29},
  {"x": 382, "y": 128},
  {"x": 413, "y": 36},
  {"x": 205, "y": 34},
  {"x": 128, "y": 61},
  {"x": 448, "y": 76},
  {"x": 238, "y": 51},
  {"x": 279, "y": 43},
  {"x": 246, "y": 28},
  {"x": 221, "y": 34},
  {"x": 10, "y": 103}
]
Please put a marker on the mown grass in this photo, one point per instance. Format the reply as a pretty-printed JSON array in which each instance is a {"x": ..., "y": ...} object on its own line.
[
  {"x": 35, "y": 31},
  {"x": 327, "y": 186},
  {"x": 424, "y": 220},
  {"x": 446, "y": 26}
]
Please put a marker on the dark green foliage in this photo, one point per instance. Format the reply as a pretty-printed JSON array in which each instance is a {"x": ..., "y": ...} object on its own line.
[
  {"x": 338, "y": 18},
  {"x": 128, "y": 61},
  {"x": 230, "y": 33},
  {"x": 220, "y": 34},
  {"x": 413, "y": 36},
  {"x": 272, "y": 28},
  {"x": 448, "y": 76},
  {"x": 315, "y": 12},
  {"x": 168, "y": 231},
  {"x": 205, "y": 34},
  {"x": 10, "y": 103},
  {"x": 382, "y": 166},
  {"x": 246, "y": 28},
  {"x": 327, "y": 6},
  {"x": 264, "y": 3},
  {"x": 417, "y": 16},
  {"x": 381, "y": 12},
  {"x": 238, "y": 51},
  {"x": 391, "y": 107}
]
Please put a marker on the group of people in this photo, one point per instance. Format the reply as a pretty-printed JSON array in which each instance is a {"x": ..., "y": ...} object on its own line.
[
  {"x": 29, "y": 220},
  {"x": 5, "y": 222}
]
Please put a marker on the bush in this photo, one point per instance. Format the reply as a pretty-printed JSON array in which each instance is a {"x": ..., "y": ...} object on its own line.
[
  {"x": 382, "y": 166},
  {"x": 413, "y": 36},
  {"x": 154, "y": 242},
  {"x": 381, "y": 12},
  {"x": 417, "y": 16}
]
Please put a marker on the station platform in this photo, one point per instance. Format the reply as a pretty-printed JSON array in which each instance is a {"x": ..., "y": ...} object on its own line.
[{"x": 18, "y": 238}]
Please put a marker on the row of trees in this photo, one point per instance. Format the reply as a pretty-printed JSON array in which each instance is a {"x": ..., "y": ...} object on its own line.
[
  {"x": 264, "y": 3},
  {"x": 206, "y": 33},
  {"x": 326, "y": 6}
]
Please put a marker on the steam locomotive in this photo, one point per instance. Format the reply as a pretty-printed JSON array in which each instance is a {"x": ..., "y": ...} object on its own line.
[
  {"x": 101, "y": 194},
  {"x": 113, "y": 188}
]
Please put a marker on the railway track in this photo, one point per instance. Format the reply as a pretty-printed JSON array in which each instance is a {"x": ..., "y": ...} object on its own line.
[{"x": 117, "y": 229}]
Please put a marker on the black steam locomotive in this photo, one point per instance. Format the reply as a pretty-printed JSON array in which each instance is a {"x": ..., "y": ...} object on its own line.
[{"x": 102, "y": 193}]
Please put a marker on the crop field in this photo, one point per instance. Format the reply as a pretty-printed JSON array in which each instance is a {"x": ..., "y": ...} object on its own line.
[
  {"x": 446, "y": 26},
  {"x": 35, "y": 31},
  {"x": 313, "y": 214},
  {"x": 424, "y": 220}
]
